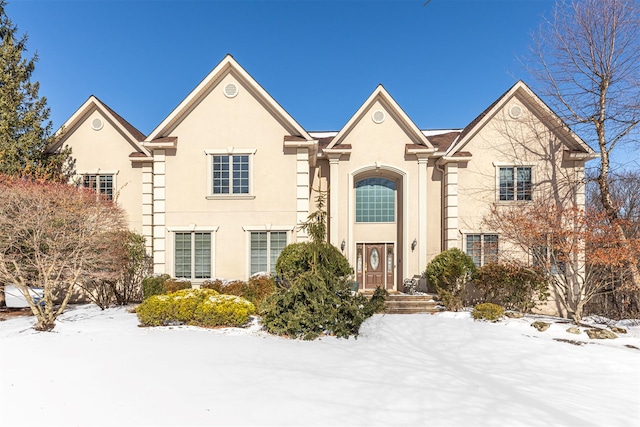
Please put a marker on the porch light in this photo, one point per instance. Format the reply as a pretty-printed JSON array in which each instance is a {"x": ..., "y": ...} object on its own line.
[
  {"x": 342, "y": 245},
  {"x": 413, "y": 244}
]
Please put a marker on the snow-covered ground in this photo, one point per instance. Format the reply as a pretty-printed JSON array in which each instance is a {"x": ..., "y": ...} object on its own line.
[{"x": 100, "y": 368}]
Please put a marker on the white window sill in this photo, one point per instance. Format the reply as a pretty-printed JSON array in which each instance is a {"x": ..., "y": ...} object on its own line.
[{"x": 231, "y": 197}]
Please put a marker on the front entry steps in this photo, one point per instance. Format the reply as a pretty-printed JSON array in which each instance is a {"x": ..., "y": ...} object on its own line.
[
  {"x": 409, "y": 304},
  {"x": 399, "y": 303}
]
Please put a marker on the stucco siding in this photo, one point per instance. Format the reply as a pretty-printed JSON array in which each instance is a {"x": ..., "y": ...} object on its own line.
[
  {"x": 107, "y": 151},
  {"x": 222, "y": 125}
]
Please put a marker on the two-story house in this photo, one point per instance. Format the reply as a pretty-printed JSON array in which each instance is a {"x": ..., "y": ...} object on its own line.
[{"x": 220, "y": 186}]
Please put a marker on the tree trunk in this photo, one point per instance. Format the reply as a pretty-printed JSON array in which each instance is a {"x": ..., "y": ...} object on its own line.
[{"x": 613, "y": 217}]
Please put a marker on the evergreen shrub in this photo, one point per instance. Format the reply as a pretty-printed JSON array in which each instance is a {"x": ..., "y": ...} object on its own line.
[
  {"x": 153, "y": 285},
  {"x": 298, "y": 258},
  {"x": 316, "y": 297},
  {"x": 449, "y": 273},
  {"x": 488, "y": 311},
  {"x": 511, "y": 286},
  {"x": 199, "y": 307},
  {"x": 223, "y": 310},
  {"x": 313, "y": 306},
  {"x": 173, "y": 285},
  {"x": 256, "y": 290}
]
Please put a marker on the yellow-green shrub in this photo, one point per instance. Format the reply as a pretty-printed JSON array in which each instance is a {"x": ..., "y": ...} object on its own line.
[
  {"x": 154, "y": 311},
  {"x": 256, "y": 290},
  {"x": 223, "y": 310},
  {"x": 488, "y": 311},
  {"x": 200, "y": 307},
  {"x": 173, "y": 285}
]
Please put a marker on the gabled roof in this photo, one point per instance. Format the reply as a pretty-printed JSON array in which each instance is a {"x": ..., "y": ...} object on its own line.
[
  {"x": 227, "y": 66},
  {"x": 130, "y": 133},
  {"x": 535, "y": 104},
  {"x": 392, "y": 107}
]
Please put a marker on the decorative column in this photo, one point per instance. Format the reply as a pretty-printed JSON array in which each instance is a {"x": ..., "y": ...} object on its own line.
[
  {"x": 451, "y": 206},
  {"x": 147, "y": 205},
  {"x": 422, "y": 237},
  {"x": 159, "y": 221},
  {"x": 334, "y": 190},
  {"x": 302, "y": 191}
]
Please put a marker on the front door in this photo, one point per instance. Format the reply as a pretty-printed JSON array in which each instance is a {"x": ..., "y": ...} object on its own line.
[{"x": 375, "y": 265}]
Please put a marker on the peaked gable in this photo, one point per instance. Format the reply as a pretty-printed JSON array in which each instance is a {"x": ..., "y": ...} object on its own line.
[
  {"x": 130, "y": 133},
  {"x": 227, "y": 66},
  {"x": 535, "y": 104},
  {"x": 381, "y": 95}
]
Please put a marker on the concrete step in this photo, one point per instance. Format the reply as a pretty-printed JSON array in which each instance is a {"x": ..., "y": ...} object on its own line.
[{"x": 410, "y": 304}]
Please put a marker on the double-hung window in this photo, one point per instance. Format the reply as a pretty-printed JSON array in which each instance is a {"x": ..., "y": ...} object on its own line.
[
  {"x": 100, "y": 183},
  {"x": 515, "y": 183},
  {"x": 265, "y": 249},
  {"x": 192, "y": 255},
  {"x": 482, "y": 248}
]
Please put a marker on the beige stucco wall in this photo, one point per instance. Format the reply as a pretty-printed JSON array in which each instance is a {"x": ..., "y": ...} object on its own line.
[
  {"x": 107, "y": 151},
  {"x": 506, "y": 141},
  {"x": 378, "y": 149},
  {"x": 217, "y": 123}
]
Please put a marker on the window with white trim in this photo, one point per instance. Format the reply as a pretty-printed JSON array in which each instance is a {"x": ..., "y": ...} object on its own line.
[
  {"x": 482, "y": 248},
  {"x": 515, "y": 183},
  {"x": 230, "y": 174},
  {"x": 192, "y": 255},
  {"x": 265, "y": 250},
  {"x": 100, "y": 183}
]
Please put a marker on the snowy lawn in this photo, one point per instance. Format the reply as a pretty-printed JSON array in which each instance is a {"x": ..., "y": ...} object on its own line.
[{"x": 100, "y": 368}]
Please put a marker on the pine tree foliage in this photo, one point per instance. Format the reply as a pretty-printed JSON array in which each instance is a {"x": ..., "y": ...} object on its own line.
[
  {"x": 25, "y": 129},
  {"x": 319, "y": 300}
]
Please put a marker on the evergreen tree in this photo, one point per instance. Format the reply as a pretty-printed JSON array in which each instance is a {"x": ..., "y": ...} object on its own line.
[{"x": 25, "y": 128}]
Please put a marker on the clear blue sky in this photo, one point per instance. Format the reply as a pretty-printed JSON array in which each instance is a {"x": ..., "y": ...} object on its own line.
[{"x": 444, "y": 63}]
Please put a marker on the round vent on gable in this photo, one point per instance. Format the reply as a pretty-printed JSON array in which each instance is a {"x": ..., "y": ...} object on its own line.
[
  {"x": 96, "y": 124},
  {"x": 230, "y": 90},
  {"x": 515, "y": 111},
  {"x": 378, "y": 116}
]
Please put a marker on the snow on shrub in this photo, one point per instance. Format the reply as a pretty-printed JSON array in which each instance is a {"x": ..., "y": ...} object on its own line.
[{"x": 199, "y": 307}]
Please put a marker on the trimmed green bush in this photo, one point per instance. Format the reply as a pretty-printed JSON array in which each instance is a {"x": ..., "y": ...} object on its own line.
[
  {"x": 488, "y": 311},
  {"x": 155, "y": 310},
  {"x": 511, "y": 286},
  {"x": 449, "y": 273},
  {"x": 298, "y": 258},
  {"x": 199, "y": 307},
  {"x": 223, "y": 310}
]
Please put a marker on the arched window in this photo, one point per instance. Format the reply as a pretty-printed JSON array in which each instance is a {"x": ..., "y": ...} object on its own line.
[{"x": 375, "y": 200}]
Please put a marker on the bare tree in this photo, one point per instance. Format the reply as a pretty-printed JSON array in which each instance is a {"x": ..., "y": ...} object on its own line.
[
  {"x": 616, "y": 300},
  {"x": 575, "y": 248},
  {"x": 128, "y": 253},
  {"x": 586, "y": 59},
  {"x": 53, "y": 236}
]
